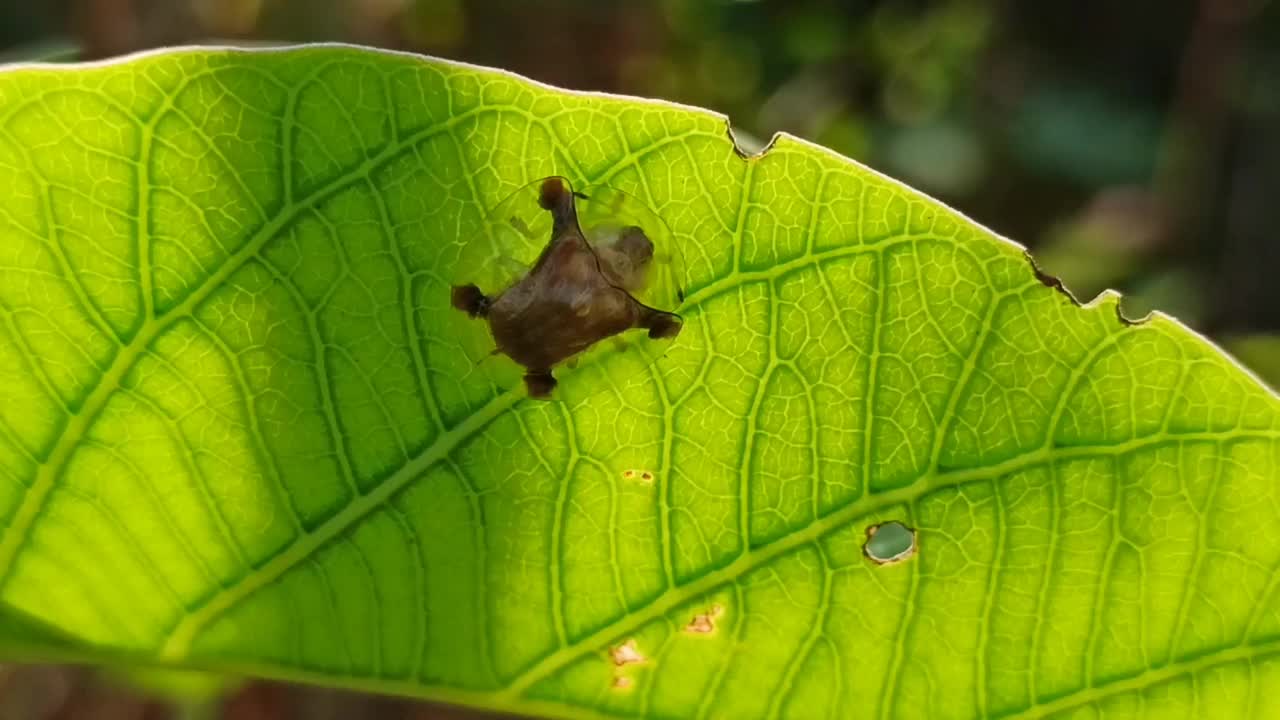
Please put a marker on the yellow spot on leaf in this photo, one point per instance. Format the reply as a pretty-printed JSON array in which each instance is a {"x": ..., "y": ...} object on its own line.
[
  {"x": 705, "y": 623},
  {"x": 626, "y": 654}
]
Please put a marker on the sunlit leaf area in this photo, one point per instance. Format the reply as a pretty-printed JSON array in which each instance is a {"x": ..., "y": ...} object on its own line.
[{"x": 870, "y": 459}]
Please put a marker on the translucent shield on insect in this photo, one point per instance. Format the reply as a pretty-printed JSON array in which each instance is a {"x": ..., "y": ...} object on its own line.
[{"x": 610, "y": 220}]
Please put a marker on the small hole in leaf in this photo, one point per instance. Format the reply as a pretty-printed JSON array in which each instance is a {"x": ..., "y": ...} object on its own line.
[
  {"x": 626, "y": 654},
  {"x": 889, "y": 543}
]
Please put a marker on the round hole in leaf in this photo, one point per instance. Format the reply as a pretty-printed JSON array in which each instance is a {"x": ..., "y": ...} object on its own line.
[{"x": 890, "y": 542}]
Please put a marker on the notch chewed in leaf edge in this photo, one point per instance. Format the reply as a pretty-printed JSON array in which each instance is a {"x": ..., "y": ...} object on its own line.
[{"x": 1054, "y": 282}]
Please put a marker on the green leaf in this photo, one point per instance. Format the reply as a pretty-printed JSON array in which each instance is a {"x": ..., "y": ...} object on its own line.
[
  {"x": 236, "y": 431},
  {"x": 27, "y": 638}
]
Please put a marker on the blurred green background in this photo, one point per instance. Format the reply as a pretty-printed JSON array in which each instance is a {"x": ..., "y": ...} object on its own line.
[{"x": 1133, "y": 145}]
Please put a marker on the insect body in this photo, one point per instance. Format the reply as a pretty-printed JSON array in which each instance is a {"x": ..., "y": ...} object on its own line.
[{"x": 577, "y": 293}]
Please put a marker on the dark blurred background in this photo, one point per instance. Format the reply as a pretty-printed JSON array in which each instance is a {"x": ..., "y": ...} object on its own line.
[{"x": 1133, "y": 145}]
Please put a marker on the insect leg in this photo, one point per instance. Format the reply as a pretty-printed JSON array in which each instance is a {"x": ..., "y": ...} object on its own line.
[
  {"x": 540, "y": 384},
  {"x": 470, "y": 300},
  {"x": 660, "y": 324}
]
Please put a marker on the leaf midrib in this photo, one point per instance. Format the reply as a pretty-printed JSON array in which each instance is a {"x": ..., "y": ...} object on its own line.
[
  {"x": 759, "y": 555},
  {"x": 33, "y": 500},
  {"x": 179, "y": 638},
  {"x": 128, "y": 355},
  {"x": 1241, "y": 652}
]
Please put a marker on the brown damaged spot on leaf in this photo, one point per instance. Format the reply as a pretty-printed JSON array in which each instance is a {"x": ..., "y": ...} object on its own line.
[
  {"x": 705, "y": 623},
  {"x": 644, "y": 476},
  {"x": 626, "y": 654},
  {"x": 623, "y": 655}
]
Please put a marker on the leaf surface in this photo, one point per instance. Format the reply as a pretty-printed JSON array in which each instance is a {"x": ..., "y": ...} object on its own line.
[{"x": 238, "y": 429}]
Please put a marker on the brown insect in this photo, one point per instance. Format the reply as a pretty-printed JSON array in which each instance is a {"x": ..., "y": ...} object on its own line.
[{"x": 575, "y": 295}]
